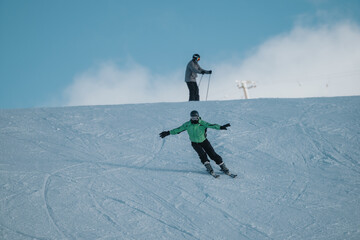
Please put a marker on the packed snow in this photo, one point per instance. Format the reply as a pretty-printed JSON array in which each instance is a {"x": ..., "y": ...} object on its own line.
[{"x": 103, "y": 172}]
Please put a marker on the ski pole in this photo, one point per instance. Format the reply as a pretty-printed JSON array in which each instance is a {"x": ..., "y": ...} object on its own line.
[
  {"x": 200, "y": 80},
  {"x": 208, "y": 87}
]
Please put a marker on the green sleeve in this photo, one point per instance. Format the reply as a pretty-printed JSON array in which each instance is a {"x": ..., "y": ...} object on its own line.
[
  {"x": 210, "y": 125},
  {"x": 179, "y": 129}
]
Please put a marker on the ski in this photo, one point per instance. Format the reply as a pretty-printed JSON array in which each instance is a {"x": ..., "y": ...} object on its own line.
[
  {"x": 230, "y": 174},
  {"x": 214, "y": 175}
]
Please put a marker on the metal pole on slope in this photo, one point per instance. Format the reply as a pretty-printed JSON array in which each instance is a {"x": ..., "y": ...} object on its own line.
[
  {"x": 244, "y": 85},
  {"x": 207, "y": 92},
  {"x": 200, "y": 80}
]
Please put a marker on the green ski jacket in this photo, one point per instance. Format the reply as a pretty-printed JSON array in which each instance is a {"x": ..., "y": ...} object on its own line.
[{"x": 197, "y": 132}]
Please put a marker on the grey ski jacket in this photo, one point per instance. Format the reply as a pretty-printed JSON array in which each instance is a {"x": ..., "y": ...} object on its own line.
[{"x": 192, "y": 69}]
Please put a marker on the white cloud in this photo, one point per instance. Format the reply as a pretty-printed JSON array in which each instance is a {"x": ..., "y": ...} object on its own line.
[
  {"x": 109, "y": 84},
  {"x": 306, "y": 62}
]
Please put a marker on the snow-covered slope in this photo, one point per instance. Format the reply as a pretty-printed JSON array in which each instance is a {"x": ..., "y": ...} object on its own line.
[{"x": 103, "y": 172}]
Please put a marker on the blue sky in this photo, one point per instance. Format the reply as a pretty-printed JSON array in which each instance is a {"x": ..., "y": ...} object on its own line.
[{"x": 51, "y": 52}]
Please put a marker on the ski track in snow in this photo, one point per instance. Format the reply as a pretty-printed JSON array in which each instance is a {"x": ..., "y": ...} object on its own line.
[
  {"x": 103, "y": 172},
  {"x": 48, "y": 208}
]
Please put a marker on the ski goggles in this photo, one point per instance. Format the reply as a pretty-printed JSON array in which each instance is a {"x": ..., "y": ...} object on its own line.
[{"x": 194, "y": 118}]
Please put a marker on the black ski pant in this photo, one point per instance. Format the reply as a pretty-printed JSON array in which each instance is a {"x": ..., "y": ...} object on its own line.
[
  {"x": 193, "y": 91},
  {"x": 203, "y": 149}
]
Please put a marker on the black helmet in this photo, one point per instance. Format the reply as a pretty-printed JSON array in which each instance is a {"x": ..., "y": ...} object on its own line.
[
  {"x": 196, "y": 57},
  {"x": 194, "y": 115}
]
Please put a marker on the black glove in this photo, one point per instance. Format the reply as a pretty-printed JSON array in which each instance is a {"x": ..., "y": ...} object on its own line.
[
  {"x": 164, "y": 134},
  {"x": 223, "y": 127},
  {"x": 203, "y": 72},
  {"x": 210, "y": 72}
]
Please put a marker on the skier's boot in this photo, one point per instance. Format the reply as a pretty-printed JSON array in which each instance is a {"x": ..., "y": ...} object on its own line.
[
  {"x": 209, "y": 168},
  {"x": 224, "y": 168}
]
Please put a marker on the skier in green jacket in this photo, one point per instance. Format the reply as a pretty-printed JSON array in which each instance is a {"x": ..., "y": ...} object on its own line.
[{"x": 196, "y": 129}]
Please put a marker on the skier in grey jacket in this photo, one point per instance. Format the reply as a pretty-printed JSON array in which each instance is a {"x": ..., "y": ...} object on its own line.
[{"x": 192, "y": 69}]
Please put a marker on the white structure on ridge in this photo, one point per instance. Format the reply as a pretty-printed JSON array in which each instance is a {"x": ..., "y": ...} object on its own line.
[{"x": 246, "y": 85}]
